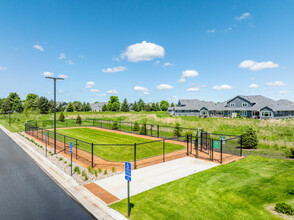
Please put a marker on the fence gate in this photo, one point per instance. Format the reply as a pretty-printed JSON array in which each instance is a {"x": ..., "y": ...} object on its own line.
[{"x": 205, "y": 142}]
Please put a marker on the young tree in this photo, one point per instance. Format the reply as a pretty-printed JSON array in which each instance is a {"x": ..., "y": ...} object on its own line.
[
  {"x": 158, "y": 107},
  {"x": 6, "y": 106},
  {"x": 164, "y": 105},
  {"x": 19, "y": 107},
  {"x": 87, "y": 107},
  {"x": 135, "y": 107},
  {"x": 113, "y": 104},
  {"x": 136, "y": 127},
  {"x": 125, "y": 106},
  {"x": 59, "y": 108},
  {"x": 172, "y": 105},
  {"x": 70, "y": 107},
  {"x": 79, "y": 120},
  {"x": 61, "y": 117},
  {"x": 104, "y": 108},
  {"x": 141, "y": 105},
  {"x": 43, "y": 105},
  {"x": 78, "y": 106},
  {"x": 153, "y": 107},
  {"x": 249, "y": 139},
  {"x": 147, "y": 108},
  {"x": 115, "y": 125}
]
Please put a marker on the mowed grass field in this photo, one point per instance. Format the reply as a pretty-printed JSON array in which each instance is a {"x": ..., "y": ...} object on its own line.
[
  {"x": 240, "y": 190},
  {"x": 110, "y": 148}
]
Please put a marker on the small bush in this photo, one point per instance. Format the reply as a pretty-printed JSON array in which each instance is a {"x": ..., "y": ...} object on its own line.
[
  {"x": 105, "y": 172},
  {"x": 177, "y": 130},
  {"x": 69, "y": 165},
  {"x": 99, "y": 170},
  {"x": 60, "y": 158},
  {"x": 90, "y": 170},
  {"x": 291, "y": 152},
  {"x": 84, "y": 174},
  {"x": 143, "y": 130},
  {"x": 136, "y": 127},
  {"x": 284, "y": 208},
  {"x": 249, "y": 139},
  {"x": 113, "y": 169},
  {"x": 114, "y": 125},
  {"x": 96, "y": 172},
  {"x": 77, "y": 170},
  {"x": 65, "y": 162},
  {"x": 79, "y": 120},
  {"x": 61, "y": 117}
]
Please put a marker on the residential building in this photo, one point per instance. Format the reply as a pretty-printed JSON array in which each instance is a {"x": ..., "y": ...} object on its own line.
[{"x": 97, "y": 107}]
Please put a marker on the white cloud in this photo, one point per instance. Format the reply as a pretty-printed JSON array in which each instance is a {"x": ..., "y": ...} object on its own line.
[
  {"x": 61, "y": 56},
  {"x": 114, "y": 69},
  {"x": 276, "y": 83},
  {"x": 157, "y": 62},
  {"x": 211, "y": 31},
  {"x": 188, "y": 74},
  {"x": 164, "y": 87},
  {"x": 90, "y": 84},
  {"x": 62, "y": 76},
  {"x": 193, "y": 89},
  {"x": 103, "y": 94},
  {"x": 94, "y": 90},
  {"x": 38, "y": 47},
  {"x": 47, "y": 74},
  {"x": 253, "y": 86},
  {"x": 146, "y": 93},
  {"x": 3, "y": 68},
  {"x": 228, "y": 29},
  {"x": 69, "y": 62},
  {"x": 283, "y": 92},
  {"x": 255, "y": 66},
  {"x": 243, "y": 16},
  {"x": 112, "y": 91},
  {"x": 168, "y": 64},
  {"x": 223, "y": 87},
  {"x": 143, "y": 52},
  {"x": 140, "y": 88}
]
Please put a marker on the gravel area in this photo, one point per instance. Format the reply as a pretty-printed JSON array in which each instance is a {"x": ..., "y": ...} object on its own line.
[{"x": 64, "y": 164}]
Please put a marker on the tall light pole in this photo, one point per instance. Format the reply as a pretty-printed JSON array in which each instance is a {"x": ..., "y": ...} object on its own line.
[{"x": 54, "y": 79}]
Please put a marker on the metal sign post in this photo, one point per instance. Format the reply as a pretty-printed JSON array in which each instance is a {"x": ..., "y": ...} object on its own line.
[
  {"x": 71, "y": 158},
  {"x": 46, "y": 144},
  {"x": 128, "y": 174}
]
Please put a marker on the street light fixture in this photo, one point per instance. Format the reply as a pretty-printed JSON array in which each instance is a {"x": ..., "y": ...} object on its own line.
[{"x": 54, "y": 79}]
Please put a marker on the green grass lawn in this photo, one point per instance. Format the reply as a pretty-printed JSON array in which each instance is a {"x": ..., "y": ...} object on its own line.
[
  {"x": 113, "y": 152},
  {"x": 240, "y": 190}
]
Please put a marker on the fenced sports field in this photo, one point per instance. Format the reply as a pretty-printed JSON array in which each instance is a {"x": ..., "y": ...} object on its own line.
[{"x": 99, "y": 144}]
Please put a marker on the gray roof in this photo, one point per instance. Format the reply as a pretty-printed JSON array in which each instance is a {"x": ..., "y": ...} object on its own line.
[
  {"x": 258, "y": 102},
  {"x": 97, "y": 106}
]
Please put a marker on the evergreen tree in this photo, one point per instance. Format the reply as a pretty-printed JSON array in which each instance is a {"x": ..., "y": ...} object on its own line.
[
  {"x": 115, "y": 125},
  {"x": 79, "y": 120},
  {"x": 87, "y": 107},
  {"x": 249, "y": 139},
  {"x": 135, "y": 107},
  {"x": 153, "y": 107},
  {"x": 172, "y": 105},
  {"x": 125, "y": 106},
  {"x": 61, "y": 117},
  {"x": 43, "y": 105},
  {"x": 59, "y": 108},
  {"x": 141, "y": 105},
  {"x": 147, "y": 108},
  {"x": 136, "y": 127},
  {"x": 104, "y": 108},
  {"x": 177, "y": 130},
  {"x": 70, "y": 107}
]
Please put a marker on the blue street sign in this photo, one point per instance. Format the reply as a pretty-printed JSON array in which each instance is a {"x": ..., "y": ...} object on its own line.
[
  {"x": 45, "y": 136},
  {"x": 128, "y": 171},
  {"x": 71, "y": 147}
]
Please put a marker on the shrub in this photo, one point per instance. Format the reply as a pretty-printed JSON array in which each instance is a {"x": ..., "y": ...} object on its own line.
[
  {"x": 284, "y": 208},
  {"x": 136, "y": 127},
  {"x": 105, "y": 172},
  {"x": 186, "y": 134},
  {"x": 60, "y": 159},
  {"x": 84, "y": 174},
  {"x": 89, "y": 169},
  {"x": 143, "y": 130},
  {"x": 249, "y": 139},
  {"x": 96, "y": 172},
  {"x": 77, "y": 170},
  {"x": 61, "y": 117},
  {"x": 79, "y": 120},
  {"x": 292, "y": 152},
  {"x": 99, "y": 170},
  {"x": 114, "y": 125},
  {"x": 177, "y": 130},
  {"x": 113, "y": 169}
]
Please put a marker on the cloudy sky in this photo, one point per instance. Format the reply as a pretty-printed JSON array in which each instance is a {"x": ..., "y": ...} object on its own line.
[{"x": 209, "y": 50}]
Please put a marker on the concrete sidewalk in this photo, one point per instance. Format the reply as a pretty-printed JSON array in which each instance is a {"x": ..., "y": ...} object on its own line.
[{"x": 149, "y": 177}]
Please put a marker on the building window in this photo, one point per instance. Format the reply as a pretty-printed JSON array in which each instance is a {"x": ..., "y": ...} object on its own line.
[
  {"x": 220, "y": 113},
  {"x": 266, "y": 114},
  {"x": 232, "y": 104},
  {"x": 204, "y": 112},
  {"x": 243, "y": 113},
  {"x": 244, "y": 104}
]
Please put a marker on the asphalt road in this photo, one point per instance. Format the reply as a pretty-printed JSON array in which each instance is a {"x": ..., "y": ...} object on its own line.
[{"x": 26, "y": 192}]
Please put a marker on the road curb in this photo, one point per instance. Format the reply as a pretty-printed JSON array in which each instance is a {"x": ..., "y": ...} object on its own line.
[{"x": 89, "y": 201}]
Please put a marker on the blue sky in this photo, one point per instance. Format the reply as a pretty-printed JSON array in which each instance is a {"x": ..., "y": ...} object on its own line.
[{"x": 155, "y": 50}]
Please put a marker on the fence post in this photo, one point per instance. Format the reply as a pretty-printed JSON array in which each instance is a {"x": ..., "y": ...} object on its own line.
[
  {"x": 163, "y": 150},
  {"x": 131, "y": 127},
  {"x": 42, "y": 134},
  {"x": 201, "y": 139},
  {"x": 187, "y": 145},
  {"x": 221, "y": 143},
  {"x": 241, "y": 146},
  {"x": 191, "y": 144},
  {"x": 135, "y": 162},
  {"x": 93, "y": 122},
  {"x": 37, "y": 133},
  {"x": 151, "y": 130},
  {"x": 145, "y": 129},
  {"x": 92, "y": 155},
  {"x": 64, "y": 144},
  {"x": 212, "y": 149},
  {"x": 76, "y": 148},
  {"x": 158, "y": 131}
]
